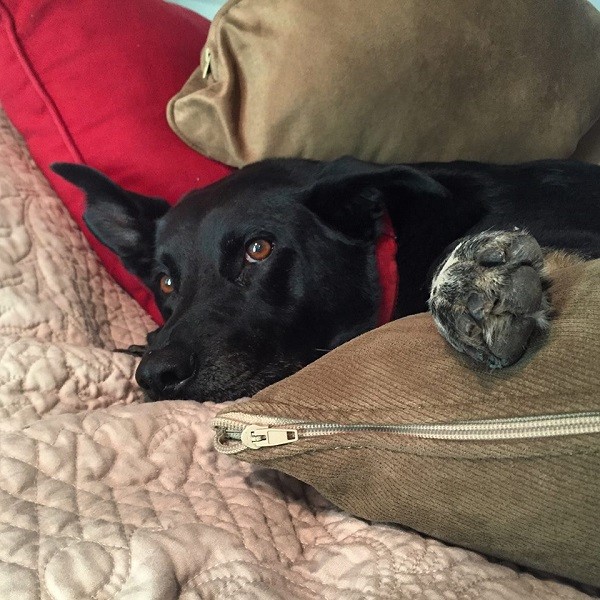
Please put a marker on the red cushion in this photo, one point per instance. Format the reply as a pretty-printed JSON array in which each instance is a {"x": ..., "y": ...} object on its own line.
[{"x": 88, "y": 81}]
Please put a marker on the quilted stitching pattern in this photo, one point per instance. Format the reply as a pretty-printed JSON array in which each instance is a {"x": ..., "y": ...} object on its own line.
[{"x": 102, "y": 496}]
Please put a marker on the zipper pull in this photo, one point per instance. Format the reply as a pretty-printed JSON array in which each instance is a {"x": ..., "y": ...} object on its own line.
[
  {"x": 207, "y": 58},
  {"x": 256, "y": 436}
]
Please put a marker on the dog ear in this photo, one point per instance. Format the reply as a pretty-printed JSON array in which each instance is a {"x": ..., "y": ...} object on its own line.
[
  {"x": 349, "y": 194},
  {"x": 125, "y": 222}
]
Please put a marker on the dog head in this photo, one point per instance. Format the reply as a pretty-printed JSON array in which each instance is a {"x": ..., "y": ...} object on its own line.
[{"x": 256, "y": 275}]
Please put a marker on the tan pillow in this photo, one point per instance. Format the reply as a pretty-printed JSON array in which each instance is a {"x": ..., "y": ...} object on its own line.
[
  {"x": 390, "y": 81},
  {"x": 532, "y": 500},
  {"x": 588, "y": 149}
]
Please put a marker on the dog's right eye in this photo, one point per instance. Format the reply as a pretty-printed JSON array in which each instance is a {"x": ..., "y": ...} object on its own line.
[{"x": 167, "y": 285}]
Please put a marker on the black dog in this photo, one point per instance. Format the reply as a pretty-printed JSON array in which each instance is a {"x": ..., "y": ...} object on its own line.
[{"x": 260, "y": 273}]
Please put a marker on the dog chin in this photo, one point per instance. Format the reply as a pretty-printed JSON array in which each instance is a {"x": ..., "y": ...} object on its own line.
[
  {"x": 198, "y": 394},
  {"x": 242, "y": 383}
]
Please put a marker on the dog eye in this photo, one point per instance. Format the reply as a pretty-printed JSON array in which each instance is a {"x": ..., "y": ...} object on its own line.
[
  {"x": 258, "y": 250},
  {"x": 167, "y": 285}
]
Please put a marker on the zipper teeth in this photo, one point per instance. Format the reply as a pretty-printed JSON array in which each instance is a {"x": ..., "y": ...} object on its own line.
[
  {"x": 476, "y": 429},
  {"x": 472, "y": 430},
  {"x": 467, "y": 431}
]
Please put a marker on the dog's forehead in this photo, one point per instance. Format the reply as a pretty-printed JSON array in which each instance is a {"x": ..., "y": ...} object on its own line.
[
  {"x": 202, "y": 221},
  {"x": 248, "y": 197},
  {"x": 199, "y": 210}
]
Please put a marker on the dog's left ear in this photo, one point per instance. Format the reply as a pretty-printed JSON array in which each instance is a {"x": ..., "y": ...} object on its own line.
[
  {"x": 349, "y": 194},
  {"x": 122, "y": 220}
]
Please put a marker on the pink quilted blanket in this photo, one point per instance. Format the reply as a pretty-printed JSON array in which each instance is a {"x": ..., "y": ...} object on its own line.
[{"x": 103, "y": 496}]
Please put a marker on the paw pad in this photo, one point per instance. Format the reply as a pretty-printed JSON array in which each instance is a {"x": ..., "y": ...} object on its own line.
[{"x": 489, "y": 296}]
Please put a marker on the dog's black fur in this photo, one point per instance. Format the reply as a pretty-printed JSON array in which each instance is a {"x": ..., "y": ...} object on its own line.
[{"x": 233, "y": 326}]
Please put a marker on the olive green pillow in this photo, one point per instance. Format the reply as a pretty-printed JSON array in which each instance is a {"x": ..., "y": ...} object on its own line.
[
  {"x": 390, "y": 81},
  {"x": 406, "y": 430}
]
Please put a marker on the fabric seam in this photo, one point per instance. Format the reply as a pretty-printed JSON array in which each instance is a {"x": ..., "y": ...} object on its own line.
[
  {"x": 270, "y": 462},
  {"x": 35, "y": 81}
]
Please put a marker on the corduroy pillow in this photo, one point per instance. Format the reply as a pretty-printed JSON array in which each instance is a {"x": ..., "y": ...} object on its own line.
[
  {"x": 497, "y": 81},
  {"x": 503, "y": 462}
]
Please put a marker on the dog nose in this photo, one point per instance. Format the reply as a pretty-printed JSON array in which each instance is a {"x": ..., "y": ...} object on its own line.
[{"x": 163, "y": 371}]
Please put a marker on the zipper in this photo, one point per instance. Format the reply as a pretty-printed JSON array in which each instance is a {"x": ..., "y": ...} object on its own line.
[{"x": 241, "y": 431}]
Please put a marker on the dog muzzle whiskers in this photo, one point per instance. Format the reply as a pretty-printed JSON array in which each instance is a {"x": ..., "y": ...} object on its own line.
[{"x": 133, "y": 350}]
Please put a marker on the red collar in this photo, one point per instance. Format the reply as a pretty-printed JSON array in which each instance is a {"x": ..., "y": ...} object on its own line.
[{"x": 387, "y": 268}]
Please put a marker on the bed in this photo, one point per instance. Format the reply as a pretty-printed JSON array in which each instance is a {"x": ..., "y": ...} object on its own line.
[{"x": 105, "y": 496}]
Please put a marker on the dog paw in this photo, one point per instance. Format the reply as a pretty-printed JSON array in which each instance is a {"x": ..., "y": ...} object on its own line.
[{"x": 490, "y": 295}]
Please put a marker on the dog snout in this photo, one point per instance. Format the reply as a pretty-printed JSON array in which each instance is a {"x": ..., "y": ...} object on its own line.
[{"x": 164, "y": 371}]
